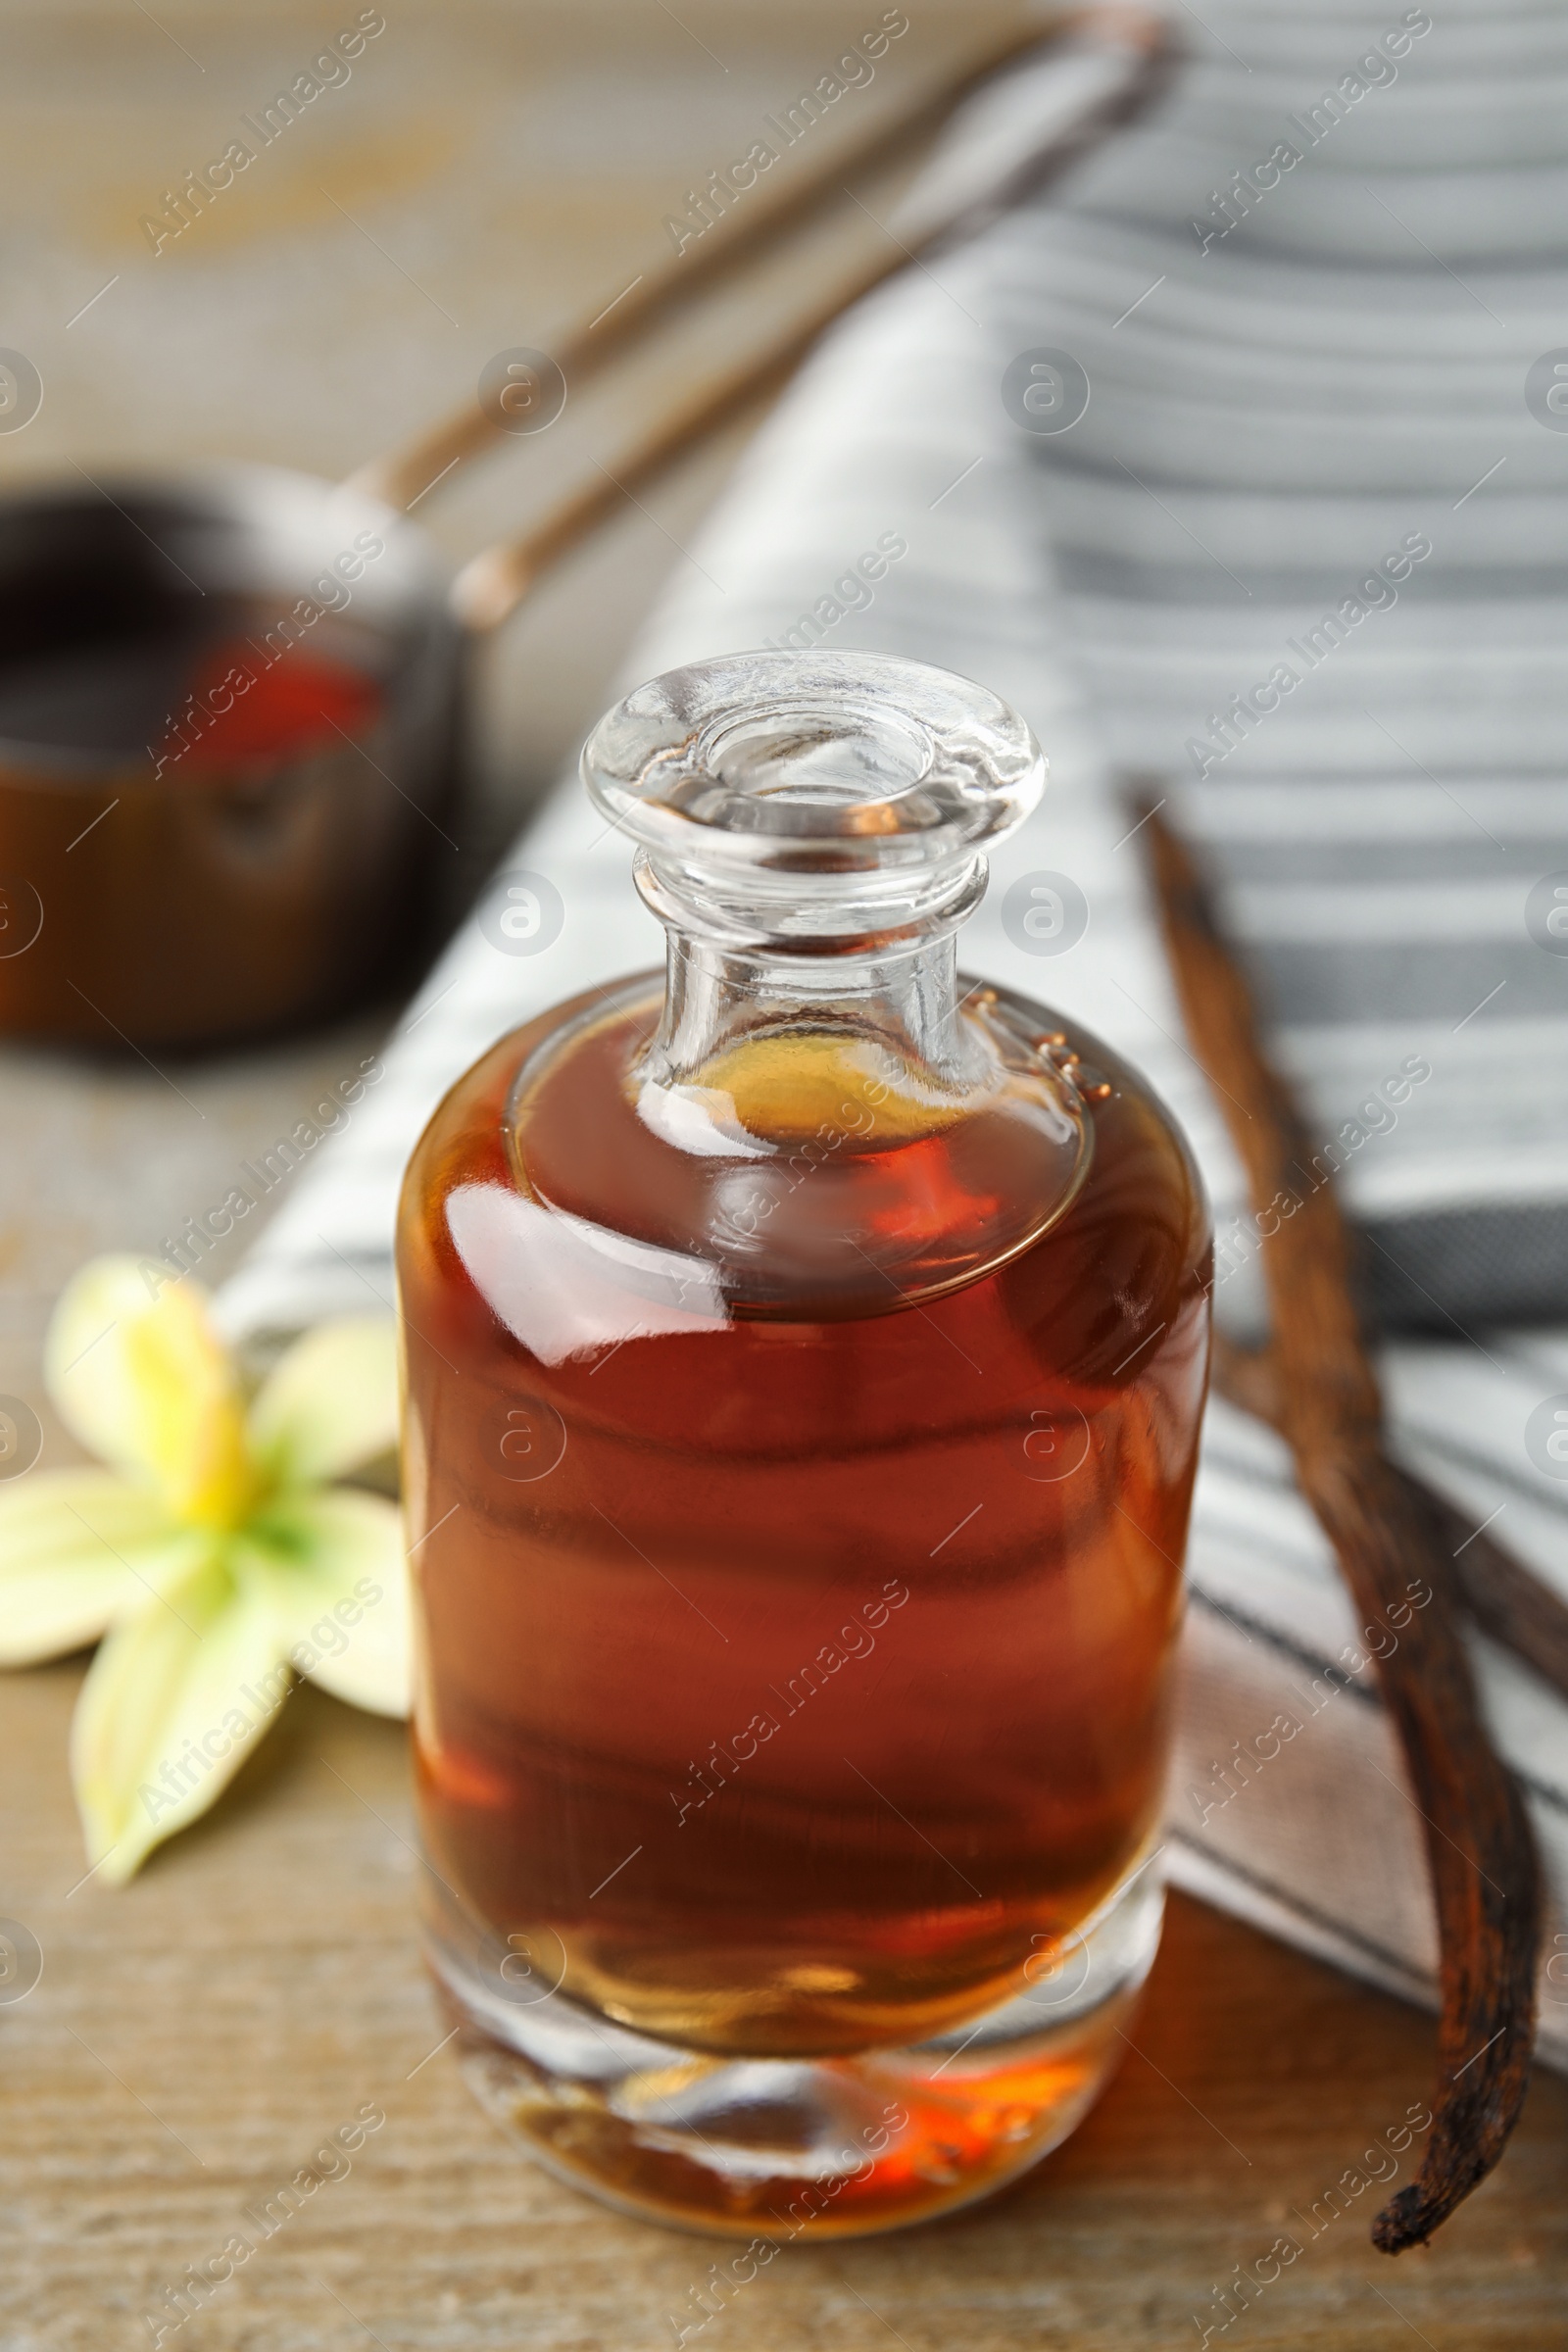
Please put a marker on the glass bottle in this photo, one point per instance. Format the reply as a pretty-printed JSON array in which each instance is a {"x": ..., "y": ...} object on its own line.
[{"x": 805, "y": 1354}]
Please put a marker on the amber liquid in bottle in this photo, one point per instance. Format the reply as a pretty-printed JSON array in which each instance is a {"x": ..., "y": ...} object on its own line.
[{"x": 798, "y": 1459}]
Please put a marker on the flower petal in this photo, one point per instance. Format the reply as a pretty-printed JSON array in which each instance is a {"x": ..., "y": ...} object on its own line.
[
  {"x": 330, "y": 1404},
  {"x": 172, "y": 1703},
  {"x": 78, "y": 1550},
  {"x": 143, "y": 1380},
  {"x": 338, "y": 1576}
]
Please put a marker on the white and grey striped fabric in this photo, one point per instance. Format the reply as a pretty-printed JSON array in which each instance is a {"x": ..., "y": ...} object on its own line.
[{"x": 1276, "y": 407}]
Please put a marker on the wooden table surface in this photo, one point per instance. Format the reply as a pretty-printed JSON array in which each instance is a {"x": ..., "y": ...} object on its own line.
[{"x": 194, "y": 2038}]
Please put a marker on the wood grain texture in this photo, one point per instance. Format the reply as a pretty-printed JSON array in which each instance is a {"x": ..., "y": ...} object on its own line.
[{"x": 194, "y": 2038}]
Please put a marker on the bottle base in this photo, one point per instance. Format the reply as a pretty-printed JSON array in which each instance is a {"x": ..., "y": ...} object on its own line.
[{"x": 779, "y": 2150}]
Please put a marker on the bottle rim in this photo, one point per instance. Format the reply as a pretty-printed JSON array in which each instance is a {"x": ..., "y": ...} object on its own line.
[{"x": 824, "y": 764}]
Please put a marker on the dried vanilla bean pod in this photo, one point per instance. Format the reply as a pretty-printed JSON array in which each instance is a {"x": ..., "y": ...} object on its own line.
[
  {"x": 1506, "y": 1599},
  {"x": 1382, "y": 1524}
]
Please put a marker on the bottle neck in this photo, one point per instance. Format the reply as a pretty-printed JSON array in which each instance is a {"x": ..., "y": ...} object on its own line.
[
  {"x": 903, "y": 1000},
  {"x": 811, "y": 830}
]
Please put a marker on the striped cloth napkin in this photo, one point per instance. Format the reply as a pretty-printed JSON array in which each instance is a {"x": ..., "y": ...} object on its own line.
[{"x": 1236, "y": 463}]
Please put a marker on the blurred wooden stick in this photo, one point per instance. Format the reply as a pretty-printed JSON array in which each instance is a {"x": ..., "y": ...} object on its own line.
[
  {"x": 407, "y": 474},
  {"x": 494, "y": 583}
]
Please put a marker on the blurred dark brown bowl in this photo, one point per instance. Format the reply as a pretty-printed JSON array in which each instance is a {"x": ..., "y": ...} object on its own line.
[{"x": 153, "y": 885}]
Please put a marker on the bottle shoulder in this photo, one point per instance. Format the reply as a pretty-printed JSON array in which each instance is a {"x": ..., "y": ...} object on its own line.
[{"x": 807, "y": 1178}]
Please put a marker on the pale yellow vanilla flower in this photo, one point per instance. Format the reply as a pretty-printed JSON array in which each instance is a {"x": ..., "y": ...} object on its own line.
[{"x": 213, "y": 1552}]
